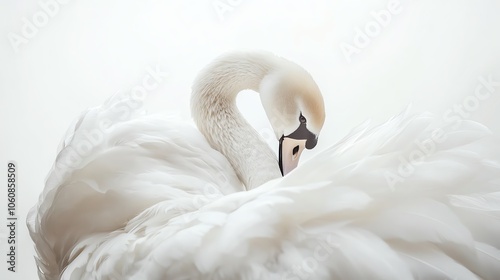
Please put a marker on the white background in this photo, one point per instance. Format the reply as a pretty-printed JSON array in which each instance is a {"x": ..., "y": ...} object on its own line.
[{"x": 431, "y": 55}]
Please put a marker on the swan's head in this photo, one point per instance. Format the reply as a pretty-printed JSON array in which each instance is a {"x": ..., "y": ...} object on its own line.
[{"x": 295, "y": 108}]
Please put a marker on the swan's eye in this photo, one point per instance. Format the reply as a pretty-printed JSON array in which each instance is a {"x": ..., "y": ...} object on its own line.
[
  {"x": 295, "y": 150},
  {"x": 302, "y": 119}
]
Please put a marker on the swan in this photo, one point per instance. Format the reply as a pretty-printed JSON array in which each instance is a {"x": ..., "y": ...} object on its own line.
[{"x": 140, "y": 196}]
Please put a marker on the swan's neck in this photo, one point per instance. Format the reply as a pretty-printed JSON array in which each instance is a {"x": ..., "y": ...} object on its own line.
[{"x": 213, "y": 105}]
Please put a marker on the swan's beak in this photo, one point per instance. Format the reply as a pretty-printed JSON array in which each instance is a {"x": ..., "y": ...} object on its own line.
[
  {"x": 291, "y": 148},
  {"x": 289, "y": 153}
]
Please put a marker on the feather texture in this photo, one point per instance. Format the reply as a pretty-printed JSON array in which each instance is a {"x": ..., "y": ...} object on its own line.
[{"x": 129, "y": 197}]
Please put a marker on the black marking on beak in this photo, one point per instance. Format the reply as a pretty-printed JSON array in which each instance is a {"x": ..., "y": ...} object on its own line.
[
  {"x": 303, "y": 133},
  {"x": 280, "y": 154}
]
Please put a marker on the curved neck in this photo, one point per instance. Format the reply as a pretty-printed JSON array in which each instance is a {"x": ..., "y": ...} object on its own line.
[{"x": 213, "y": 107}]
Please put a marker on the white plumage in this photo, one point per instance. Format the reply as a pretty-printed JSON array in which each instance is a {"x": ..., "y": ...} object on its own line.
[{"x": 151, "y": 199}]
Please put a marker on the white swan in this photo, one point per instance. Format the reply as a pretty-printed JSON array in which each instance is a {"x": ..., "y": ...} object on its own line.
[{"x": 150, "y": 198}]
